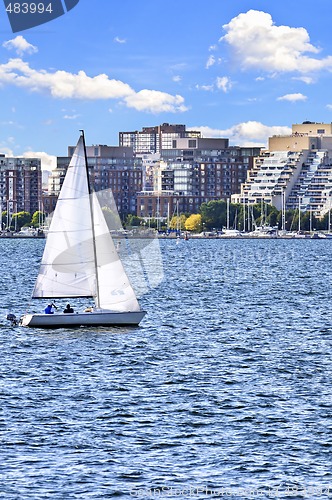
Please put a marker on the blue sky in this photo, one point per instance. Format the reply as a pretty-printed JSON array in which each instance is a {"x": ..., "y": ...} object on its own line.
[{"x": 239, "y": 69}]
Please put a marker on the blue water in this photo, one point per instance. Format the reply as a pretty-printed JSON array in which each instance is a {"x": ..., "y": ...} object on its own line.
[{"x": 223, "y": 391}]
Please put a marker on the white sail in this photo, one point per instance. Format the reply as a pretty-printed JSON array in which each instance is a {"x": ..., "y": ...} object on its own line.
[{"x": 67, "y": 267}]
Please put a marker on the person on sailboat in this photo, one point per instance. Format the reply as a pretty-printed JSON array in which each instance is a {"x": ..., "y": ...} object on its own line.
[
  {"x": 49, "y": 309},
  {"x": 68, "y": 309}
]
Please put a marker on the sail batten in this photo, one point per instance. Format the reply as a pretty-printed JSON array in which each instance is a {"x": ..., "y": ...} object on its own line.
[{"x": 66, "y": 297}]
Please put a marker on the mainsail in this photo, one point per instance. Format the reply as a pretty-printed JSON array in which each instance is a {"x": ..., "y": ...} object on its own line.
[{"x": 80, "y": 259}]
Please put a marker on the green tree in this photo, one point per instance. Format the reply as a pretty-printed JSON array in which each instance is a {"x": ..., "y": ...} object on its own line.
[
  {"x": 133, "y": 220},
  {"x": 20, "y": 219},
  {"x": 3, "y": 219},
  {"x": 272, "y": 216},
  {"x": 323, "y": 224},
  {"x": 112, "y": 219},
  {"x": 38, "y": 219},
  {"x": 214, "y": 214}
]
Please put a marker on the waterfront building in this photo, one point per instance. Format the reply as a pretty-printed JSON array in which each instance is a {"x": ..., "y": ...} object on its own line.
[
  {"x": 295, "y": 171},
  {"x": 20, "y": 185},
  {"x": 111, "y": 167},
  {"x": 49, "y": 202},
  {"x": 155, "y": 139},
  {"x": 195, "y": 171}
]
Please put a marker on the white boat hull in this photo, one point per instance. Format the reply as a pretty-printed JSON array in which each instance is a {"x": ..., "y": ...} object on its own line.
[{"x": 95, "y": 318}]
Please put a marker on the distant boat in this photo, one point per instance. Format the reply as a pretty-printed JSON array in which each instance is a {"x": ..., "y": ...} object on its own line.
[
  {"x": 80, "y": 259},
  {"x": 231, "y": 233},
  {"x": 264, "y": 232},
  {"x": 326, "y": 236}
]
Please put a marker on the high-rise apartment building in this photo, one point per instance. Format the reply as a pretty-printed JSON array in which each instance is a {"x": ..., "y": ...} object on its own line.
[
  {"x": 197, "y": 170},
  {"x": 155, "y": 139},
  {"x": 20, "y": 184},
  {"x": 296, "y": 170}
]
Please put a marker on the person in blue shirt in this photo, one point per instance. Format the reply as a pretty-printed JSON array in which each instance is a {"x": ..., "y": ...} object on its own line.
[{"x": 49, "y": 309}]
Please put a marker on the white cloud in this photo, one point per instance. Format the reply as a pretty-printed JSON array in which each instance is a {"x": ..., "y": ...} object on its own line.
[
  {"x": 5, "y": 150},
  {"x": 155, "y": 101},
  {"x": 117, "y": 39},
  {"x": 206, "y": 88},
  {"x": 213, "y": 47},
  {"x": 223, "y": 83},
  {"x": 305, "y": 79},
  {"x": 250, "y": 133},
  {"x": 71, "y": 117},
  {"x": 258, "y": 43},
  {"x": 329, "y": 106},
  {"x": 177, "y": 78},
  {"x": 292, "y": 97},
  {"x": 20, "y": 45},
  {"x": 210, "y": 62},
  {"x": 65, "y": 85},
  {"x": 11, "y": 123},
  {"x": 48, "y": 162}
]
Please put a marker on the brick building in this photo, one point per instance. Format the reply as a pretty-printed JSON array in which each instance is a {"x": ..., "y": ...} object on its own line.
[{"x": 20, "y": 184}]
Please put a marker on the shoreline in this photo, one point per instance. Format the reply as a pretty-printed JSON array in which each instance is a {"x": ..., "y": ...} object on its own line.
[{"x": 314, "y": 236}]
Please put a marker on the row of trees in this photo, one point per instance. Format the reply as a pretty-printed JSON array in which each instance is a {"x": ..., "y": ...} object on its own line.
[
  {"x": 22, "y": 219},
  {"x": 215, "y": 215}
]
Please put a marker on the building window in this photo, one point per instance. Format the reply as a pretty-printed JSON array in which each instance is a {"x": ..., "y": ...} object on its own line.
[{"x": 192, "y": 143}]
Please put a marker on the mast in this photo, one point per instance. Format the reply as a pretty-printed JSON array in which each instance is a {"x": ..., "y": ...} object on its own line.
[
  {"x": 310, "y": 220},
  {"x": 92, "y": 220},
  {"x": 227, "y": 220},
  {"x": 283, "y": 211},
  {"x": 262, "y": 212},
  {"x": 178, "y": 227},
  {"x": 158, "y": 213},
  {"x": 168, "y": 216}
]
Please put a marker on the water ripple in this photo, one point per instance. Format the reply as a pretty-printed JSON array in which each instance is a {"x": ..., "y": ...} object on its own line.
[{"x": 225, "y": 385}]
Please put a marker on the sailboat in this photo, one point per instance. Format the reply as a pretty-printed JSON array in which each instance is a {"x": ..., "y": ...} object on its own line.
[{"x": 80, "y": 259}]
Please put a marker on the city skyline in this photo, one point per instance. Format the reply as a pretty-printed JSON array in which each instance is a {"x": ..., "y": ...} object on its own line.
[{"x": 244, "y": 71}]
